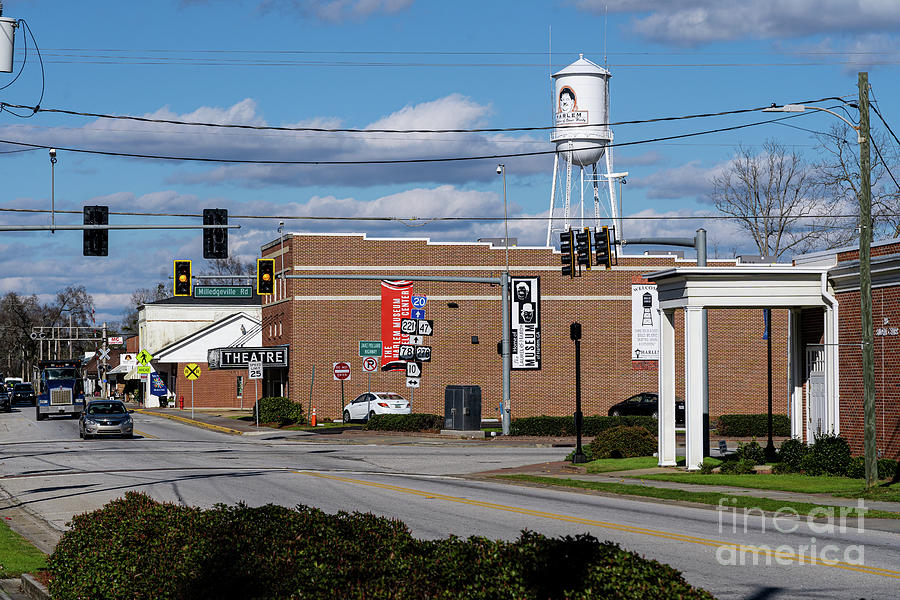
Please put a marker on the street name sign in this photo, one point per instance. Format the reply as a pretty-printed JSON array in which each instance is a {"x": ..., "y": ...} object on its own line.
[
  {"x": 370, "y": 348},
  {"x": 223, "y": 291}
]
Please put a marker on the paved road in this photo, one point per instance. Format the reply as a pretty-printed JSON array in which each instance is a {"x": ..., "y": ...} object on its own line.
[{"x": 52, "y": 473}]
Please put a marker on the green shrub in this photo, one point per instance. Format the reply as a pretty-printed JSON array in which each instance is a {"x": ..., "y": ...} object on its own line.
[
  {"x": 752, "y": 452},
  {"x": 791, "y": 453},
  {"x": 706, "y": 468},
  {"x": 857, "y": 468},
  {"x": 752, "y": 425},
  {"x": 783, "y": 468},
  {"x": 279, "y": 410},
  {"x": 829, "y": 455},
  {"x": 565, "y": 426},
  {"x": 272, "y": 552},
  {"x": 411, "y": 422},
  {"x": 743, "y": 466},
  {"x": 623, "y": 442},
  {"x": 887, "y": 468}
]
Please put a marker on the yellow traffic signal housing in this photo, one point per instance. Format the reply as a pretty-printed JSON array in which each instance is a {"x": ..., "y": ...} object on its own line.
[
  {"x": 183, "y": 280},
  {"x": 265, "y": 276}
]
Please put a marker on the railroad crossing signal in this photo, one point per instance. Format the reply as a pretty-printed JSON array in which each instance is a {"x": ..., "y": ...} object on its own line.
[
  {"x": 183, "y": 282},
  {"x": 215, "y": 241},
  {"x": 95, "y": 242},
  {"x": 567, "y": 249},
  {"x": 265, "y": 276}
]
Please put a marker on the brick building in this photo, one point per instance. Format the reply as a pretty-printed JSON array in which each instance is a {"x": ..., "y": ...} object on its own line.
[{"x": 323, "y": 321}]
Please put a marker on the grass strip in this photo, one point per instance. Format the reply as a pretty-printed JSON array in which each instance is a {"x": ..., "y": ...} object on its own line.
[
  {"x": 711, "y": 498},
  {"x": 17, "y": 555},
  {"x": 608, "y": 465},
  {"x": 804, "y": 484}
]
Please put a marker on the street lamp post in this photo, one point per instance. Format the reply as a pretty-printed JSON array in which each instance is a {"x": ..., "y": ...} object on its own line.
[
  {"x": 504, "y": 294},
  {"x": 865, "y": 272},
  {"x": 52, "y": 189}
]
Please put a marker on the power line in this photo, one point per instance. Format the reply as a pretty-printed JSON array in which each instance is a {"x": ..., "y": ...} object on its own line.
[
  {"x": 390, "y": 161},
  {"x": 37, "y": 109}
]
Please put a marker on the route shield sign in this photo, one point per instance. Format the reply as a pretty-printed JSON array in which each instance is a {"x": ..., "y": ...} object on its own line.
[
  {"x": 370, "y": 348},
  {"x": 423, "y": 353},
  {"x": 425, "y": 326},
  {"x": 409, "y": 326},
  {"x": 413, "y": 369},
  {"x": 406, "y": 352},
  {"x": 418, "y": 301},
  {"x": 370, "y": 364}
]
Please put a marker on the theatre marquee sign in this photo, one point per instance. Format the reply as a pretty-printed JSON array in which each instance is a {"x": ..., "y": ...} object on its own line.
[{"x": 240, "y": 358}]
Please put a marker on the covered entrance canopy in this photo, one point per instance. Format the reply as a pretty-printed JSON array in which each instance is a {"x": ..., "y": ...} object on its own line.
[{"x": 694, "y": 289}]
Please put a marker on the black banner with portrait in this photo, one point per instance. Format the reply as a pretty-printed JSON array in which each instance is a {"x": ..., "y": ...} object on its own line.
[{"x": 525, "y": 320}]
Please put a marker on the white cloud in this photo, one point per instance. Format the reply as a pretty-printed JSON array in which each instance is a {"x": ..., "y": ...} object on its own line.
[
  {"x": 450, "y": 112},
  {"x": 687, "y": 181},
  {"x": 693, "y": 22},
  {"x": 338, "y": 11},
  {"x": 724, "y": 238}
]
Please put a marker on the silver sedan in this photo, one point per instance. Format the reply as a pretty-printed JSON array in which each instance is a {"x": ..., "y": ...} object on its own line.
[{"x": 105, "y": 417}]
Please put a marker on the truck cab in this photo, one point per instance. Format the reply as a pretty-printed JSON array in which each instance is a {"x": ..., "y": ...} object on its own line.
[{"x": 61, "y": 389}]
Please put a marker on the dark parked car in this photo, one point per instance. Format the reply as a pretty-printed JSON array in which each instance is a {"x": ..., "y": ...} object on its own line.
[
  {"x": 105, "y": 417},
  {"x": 646, "y": 403},
  {"x": 24, "y": 392},
  {"x": 5, "y": 400}
]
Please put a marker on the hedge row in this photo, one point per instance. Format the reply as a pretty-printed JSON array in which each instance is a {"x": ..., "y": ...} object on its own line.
[
  {"x": 828, "y": 455},
  {"x": 410, "y": 422},
  {"x": 279, "y": 410},
  {"x": 138, "y": 548},
  {"x": 752, "y": 425},
  {"x": 562, "y": 426}
]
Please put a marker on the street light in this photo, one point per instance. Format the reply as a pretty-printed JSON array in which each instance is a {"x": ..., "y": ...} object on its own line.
[
  {"x": 865, "y": 268},
  {"x": 501, "y": 170},
  {"x": 52, "y": 190},
  {"x": 504, "y": 322}
]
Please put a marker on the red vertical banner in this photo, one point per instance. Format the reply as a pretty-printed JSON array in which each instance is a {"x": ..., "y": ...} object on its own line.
[{"x": 395, "y": 305}]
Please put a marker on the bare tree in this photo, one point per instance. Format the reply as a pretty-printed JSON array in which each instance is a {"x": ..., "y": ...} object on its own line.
[
  {"x": 18, "y": 314},
  {"x": 775, "y": 197},
  {"x": 838, "y": 173},
  {"x": 139, "y": 297},
  {"x": 227, "y": 266}
]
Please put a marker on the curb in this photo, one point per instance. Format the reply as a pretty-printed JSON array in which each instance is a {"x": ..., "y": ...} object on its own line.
[
  {"x": 193, "y": 422},
  {"x": 33, "y": 588}
]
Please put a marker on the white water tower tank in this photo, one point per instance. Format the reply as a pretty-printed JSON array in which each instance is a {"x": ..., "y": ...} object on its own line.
[
  {"x": 7, "y": 39},
  {"x": 582, "y": 102}
]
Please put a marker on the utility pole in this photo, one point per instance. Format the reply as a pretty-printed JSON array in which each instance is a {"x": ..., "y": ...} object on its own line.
[
  {"x": 103, "y": 379},
  {"x": 865, "y": 284}
]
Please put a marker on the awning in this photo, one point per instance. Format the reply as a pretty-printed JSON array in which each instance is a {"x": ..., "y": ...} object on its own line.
[{"x": 119, "y": 370}]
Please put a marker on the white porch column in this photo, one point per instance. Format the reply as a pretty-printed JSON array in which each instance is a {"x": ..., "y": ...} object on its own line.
[
  {"x": 831, "y": 367},
  {"x": 695, "y": 385},
  {"x": 795, "y": 372},
  {"x": 666, "y": 437}
]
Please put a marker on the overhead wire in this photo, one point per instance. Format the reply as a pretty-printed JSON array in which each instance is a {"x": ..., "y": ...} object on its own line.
[{"x": 36, "y": 108}]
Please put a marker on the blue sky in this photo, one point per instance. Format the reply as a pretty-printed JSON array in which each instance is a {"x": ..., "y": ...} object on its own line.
[{"x": 393, "y": 64}]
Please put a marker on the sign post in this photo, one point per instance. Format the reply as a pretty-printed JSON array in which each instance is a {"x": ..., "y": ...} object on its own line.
[
  {"x": 192, "y": 372},
  {"x": 370, "y": 365},
  {"x": 341, "y": 372},
  {"x": 255, "y": 369}
]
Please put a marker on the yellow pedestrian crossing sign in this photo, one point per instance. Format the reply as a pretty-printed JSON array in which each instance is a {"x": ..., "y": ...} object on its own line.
[
  {"x": 144, "y": 357},
  {"x": 192, "y": 371}
]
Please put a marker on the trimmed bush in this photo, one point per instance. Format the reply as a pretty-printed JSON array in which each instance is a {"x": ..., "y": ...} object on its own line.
[
  {"x": 743, "y": 466},
  {"x": 622, "y": 442},
  {"x": 752, "y": 425},
  {"x": 279, "y": 410},
  {"x": 752, "y": 452},
  {"x": 565, "y": 426},
  {"x": 411, "y": 422},
  {"x": 272, "y": 552},
  {"x": 829, "y": 455},
  {"x": 791, "y": 453},
  {"x": 887, "y": 468}
]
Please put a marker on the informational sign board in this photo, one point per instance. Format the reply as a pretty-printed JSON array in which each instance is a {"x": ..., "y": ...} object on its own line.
[
  {"x": 116, "y": 340},
  {"x": 341, "y": 371},
  {"x": 395, "y": 305},
  {"x": 223, "y": 291},
  {"x": 241, "y": 357},
  {"x": 255, "y": 369},
  {"x": 157, "y": 387},
  {"x": 525, "y": 320},
  {"x": 370, "y": 348},
  {"x": 370, "y": 364},
  {"x": 644, "y": 322},
  {"x": 192, "y": 371}
]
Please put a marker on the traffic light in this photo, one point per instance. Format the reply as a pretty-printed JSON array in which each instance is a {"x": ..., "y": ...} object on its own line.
[
  {"x": 567, "y": 248},
  {"x": 215, "y": 241},
  {"x": 265, "y": 276},
  {"x": 605, "y": 246},
  {"x": 183, "y": 281},
  {"x": 96, "y": 241},
  {"x": 583, "y": 253}
]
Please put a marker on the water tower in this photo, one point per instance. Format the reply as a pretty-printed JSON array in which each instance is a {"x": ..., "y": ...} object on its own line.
[{"x": 582, "y": 137}]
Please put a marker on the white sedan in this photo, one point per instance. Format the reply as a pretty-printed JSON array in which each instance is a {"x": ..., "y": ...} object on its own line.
[{"x": 365, "y": 406}]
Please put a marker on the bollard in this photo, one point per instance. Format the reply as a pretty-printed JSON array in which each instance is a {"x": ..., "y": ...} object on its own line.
[{"x": 312, "y": 419}]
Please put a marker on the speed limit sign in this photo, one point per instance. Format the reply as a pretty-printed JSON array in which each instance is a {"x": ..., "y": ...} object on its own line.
[{"x": 370, "y": 364}]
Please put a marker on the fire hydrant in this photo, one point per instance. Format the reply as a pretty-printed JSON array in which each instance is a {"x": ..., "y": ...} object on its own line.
[{"x": 181, "y": 402}]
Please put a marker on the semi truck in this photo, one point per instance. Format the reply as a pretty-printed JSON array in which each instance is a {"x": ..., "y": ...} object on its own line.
[{"x": 61, "y": 390}]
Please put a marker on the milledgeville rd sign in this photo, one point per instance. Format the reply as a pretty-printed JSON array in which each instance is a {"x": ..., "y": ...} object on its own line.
[
  {"x": 240, "y": 358},
  {"x": 223, "y": 291}
]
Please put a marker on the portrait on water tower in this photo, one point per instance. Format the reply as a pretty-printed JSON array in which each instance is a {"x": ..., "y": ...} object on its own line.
[{"x": 567, "y": 100}]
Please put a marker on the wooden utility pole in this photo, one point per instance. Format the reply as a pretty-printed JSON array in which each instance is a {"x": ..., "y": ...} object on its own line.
[{"x": 865, "y": 284}]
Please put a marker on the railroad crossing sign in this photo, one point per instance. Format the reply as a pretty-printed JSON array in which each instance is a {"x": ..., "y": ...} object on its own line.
[
  {"x": 192, "y": 371},
  {"x": 341, "y": 371},
  {"x": 425, "y": 326},
  {"x": 370, "y": 364},
  {"x": 408, "y": 326},
  {"x": 413, "y": 369},
  {"x": 144, "y": 357},
  {"x": 256, "y": 370},
  {"x": 412, "y": 382},
  {"x": 102, "y": 353}
]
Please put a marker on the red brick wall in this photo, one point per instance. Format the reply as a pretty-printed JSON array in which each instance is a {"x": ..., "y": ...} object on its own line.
[
  {"x": 881, "y": 250},
  {"x": 325, "y": 331},
  {"x": 214, "y": 388},
  {"x": 885, "y": 305}
]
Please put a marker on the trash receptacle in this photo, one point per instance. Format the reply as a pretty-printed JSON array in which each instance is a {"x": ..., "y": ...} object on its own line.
[{"x": 462, "y": 407}]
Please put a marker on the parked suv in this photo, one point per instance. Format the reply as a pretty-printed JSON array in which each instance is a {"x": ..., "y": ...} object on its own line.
[
  {"x": 646, "y": 403},
  {"x": 24, "y": 392},
  {"x": 5, "y": 400}
]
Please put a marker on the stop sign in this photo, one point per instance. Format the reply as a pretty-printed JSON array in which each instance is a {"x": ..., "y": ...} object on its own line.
[{"x": 341, "y": 370}]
